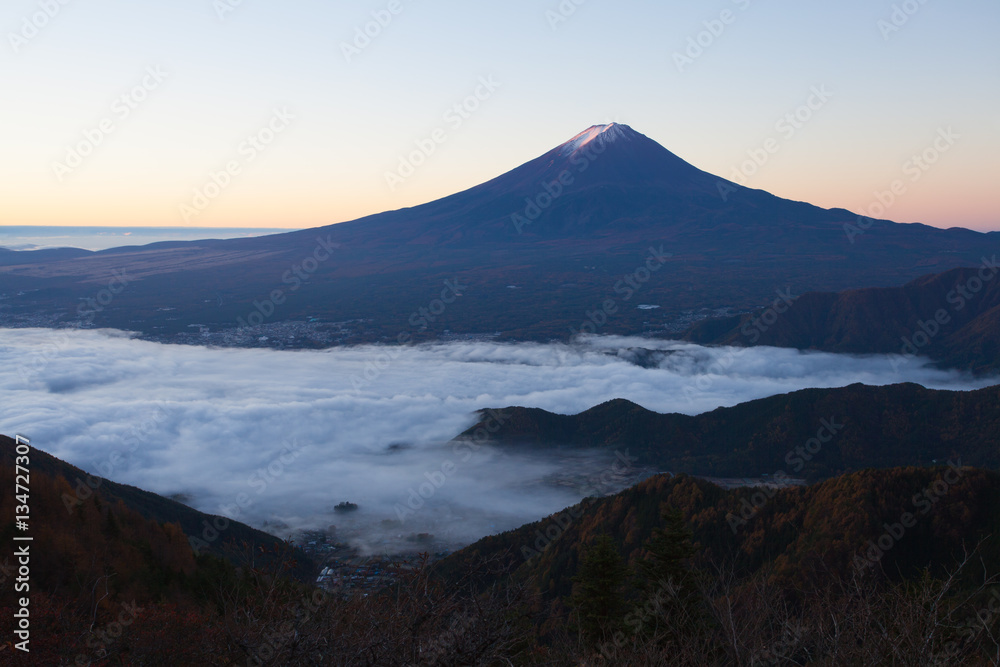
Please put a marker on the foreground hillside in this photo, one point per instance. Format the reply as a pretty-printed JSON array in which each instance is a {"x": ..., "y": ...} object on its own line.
[
  {"x": 858, "y": 567},
  {"x": 206, "y": 533},
  {"x": 951, "y": 317},
  {"x": 110, "y": 586},
  {"x": 877, "y": 567},
  {"x": 800, "y": 535},
  {"x": 813, "y": 433}
]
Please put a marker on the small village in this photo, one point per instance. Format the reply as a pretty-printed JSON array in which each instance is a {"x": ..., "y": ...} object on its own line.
[{"x": 346, "y": 569}]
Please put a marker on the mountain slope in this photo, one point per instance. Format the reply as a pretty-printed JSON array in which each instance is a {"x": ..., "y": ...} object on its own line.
[
  {"x": 202, "y": 531},
  {"x": 813, "y": 433},
  {"x": 561, "y": 234},
  {"x": 952, "y": 317},
  {"x": 800, "y": 537}
]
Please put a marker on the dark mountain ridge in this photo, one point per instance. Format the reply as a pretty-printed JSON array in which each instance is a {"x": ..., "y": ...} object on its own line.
[
  {"x": 813, "y": 433},
  {"x": 951, "y": 317}
]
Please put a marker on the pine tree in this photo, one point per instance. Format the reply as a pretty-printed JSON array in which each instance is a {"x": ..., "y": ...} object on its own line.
[
  {"x": 598, "y": 599},
  {"x": 670, "y": 601},
  {"x": 669, "y": 549}
]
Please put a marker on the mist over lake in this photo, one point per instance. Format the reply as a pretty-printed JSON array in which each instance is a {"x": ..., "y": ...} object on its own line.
[{"x": 292, "y": 434}]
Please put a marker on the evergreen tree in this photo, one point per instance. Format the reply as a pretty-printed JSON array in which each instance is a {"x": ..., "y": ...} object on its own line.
[
  {"x": 669, "y": 549},
  {"x": 598, "y": 599},
  {"x": 670, "y": 601}
]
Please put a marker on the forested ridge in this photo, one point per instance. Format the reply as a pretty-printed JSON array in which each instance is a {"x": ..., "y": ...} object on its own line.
[{"x": 812, "y": 433}]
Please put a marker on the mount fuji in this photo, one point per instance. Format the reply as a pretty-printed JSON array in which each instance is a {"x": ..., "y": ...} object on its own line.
[{"x": 537, "y": 252}]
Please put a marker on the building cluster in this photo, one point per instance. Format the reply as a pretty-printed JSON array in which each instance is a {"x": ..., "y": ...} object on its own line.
[
  {"x": 347, "y": 569},
  {"x": 274, "y": 335}
]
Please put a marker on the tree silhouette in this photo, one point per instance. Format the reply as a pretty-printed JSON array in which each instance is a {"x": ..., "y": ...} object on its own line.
[
  {"x": 598, "y": 599},
  {"x": 670, "y": 603}
]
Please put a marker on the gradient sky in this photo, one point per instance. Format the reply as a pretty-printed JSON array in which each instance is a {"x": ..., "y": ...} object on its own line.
[{"x": 228, "y": 71}]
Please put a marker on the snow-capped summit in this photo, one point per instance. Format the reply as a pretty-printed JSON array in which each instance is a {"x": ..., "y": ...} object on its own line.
[
  {"x": 603, "y": 133},
  {"x": 602, "y": 155}
]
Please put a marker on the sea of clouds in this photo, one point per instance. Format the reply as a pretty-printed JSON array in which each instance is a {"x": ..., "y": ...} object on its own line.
[{"x": 291, "y": 434}]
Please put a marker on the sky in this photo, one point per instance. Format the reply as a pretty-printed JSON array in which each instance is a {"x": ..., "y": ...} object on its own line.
[
  {"x": 201, "y": 424},
  {"x": 247, "y": 113}
]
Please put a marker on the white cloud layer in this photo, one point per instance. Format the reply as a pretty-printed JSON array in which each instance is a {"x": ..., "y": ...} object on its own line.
[{"x": 332, "y": 426}]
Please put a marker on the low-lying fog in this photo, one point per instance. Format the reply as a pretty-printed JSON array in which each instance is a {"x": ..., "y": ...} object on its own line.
[{"x": 282, "y": 437}]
